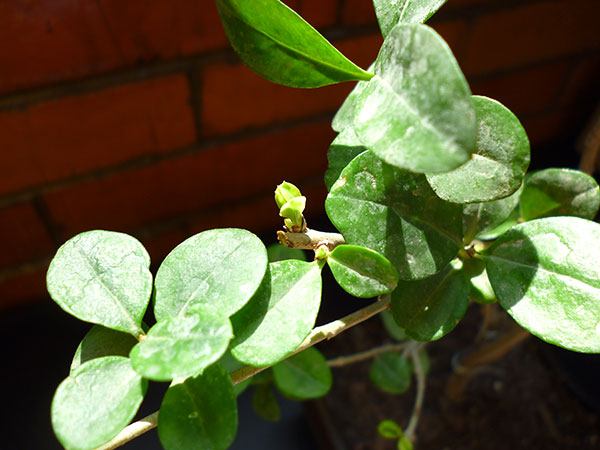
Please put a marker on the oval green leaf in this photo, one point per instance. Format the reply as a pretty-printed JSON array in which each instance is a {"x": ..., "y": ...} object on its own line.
[
  {"x": 395, "y": 213},
  {"x": 430, "y": 308},
  {"x": 391, "y": 326},
  {"x": 281, "y": 46},
  {"x": 391, "y": 12},
  {"x": 546, "y": 275},
  {"x": 417, "y": 113},
  {"x": 181, "y": 346},
  {"x": 559, "y": 192},
  {"x": 362, "y": 272},
  {"x": 102, "y": 277},
  {"x": 480, "y": 289},
  {"x": 280, "y": 315},
  {"x": 498, "y": 164},
  {"x": 222, "y": 267},
  {"x": 303, "y": 376},
  {"x": 95, "y": 402},
  {"x": 199, "y": 412},
  {"x": 278, "y": 252},
  {"x": 344, "y": 148},
  {"x": 344, "y": 117},
  {"x": 391, "y": 372},
  {"x": 265, "y": 403},
  {"x": 389, "y": 429}
]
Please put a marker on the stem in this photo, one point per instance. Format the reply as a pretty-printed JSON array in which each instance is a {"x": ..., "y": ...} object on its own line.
[
  {"x": 317, "y": 335},
  {"x": 416, "y": 413},
  {"x": 361, "y": 356},
  {"x": 310, "y": 239}
]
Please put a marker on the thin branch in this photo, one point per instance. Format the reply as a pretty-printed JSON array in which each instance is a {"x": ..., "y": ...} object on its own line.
[
  {"x": 317, "y": 335},
  {"x": 589, "y": 144},
  {"x": 310, "y": 240},
  {"x": 361, "y": 356},
  {"x": 411, "y": 429}
]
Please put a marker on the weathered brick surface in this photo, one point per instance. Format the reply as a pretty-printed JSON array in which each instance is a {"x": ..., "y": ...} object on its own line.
[
  {"x": 68, "y": 136},
  {"x": 46, "y": 41},
  {"x": 23, "y": 236},
  {"x": 210, "y": 178}
]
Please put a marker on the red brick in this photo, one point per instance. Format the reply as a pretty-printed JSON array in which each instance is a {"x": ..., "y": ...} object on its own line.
[
  {"x": 207, "y": 179},
  {"x": 23, "y": 236},
  {"x": 361, "y": 50},
  {"x": 46, "y": 41},
  {"x": 358, "y": 12},
  {"x": 26, "y": 287},
  {"x": 532, "y": 33},
  {"x": 525, "y": 91},
  {"x": 319, "y": 13},
  {"x": 69, "y": 136}
]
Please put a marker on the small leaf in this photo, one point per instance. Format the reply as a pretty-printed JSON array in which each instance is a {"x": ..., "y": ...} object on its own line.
[
  {"x": 480, "y": 289},
  {"x": 546, "y": 275},
  {"x": 181, "y": 346},
  {"x": 286, "y": 192},
  {"x": 395, "y": 213},
  {"x": 278, "y": 252},
  {"x": 559, "y": 192},
  {"x": 362, "y": 272},
  {"x": 417, "y": 113},
  {"x": 199, "y": 412},
  {"x": 280, "y": 315},
  {"x": 498, "y": 165},
  {"x": 278, "y": 44},
  {"x": 391, "y": 326},
  {"x": 404, "y": 444},
  {"x": 102, "y": 277},
  {"x": 293, "y": 210},
  {"x": 304, "y": 375},
  {"x": 223, "y": 267},
  {"x": 389, "y": 429},
  {"x": 101, "y": 341},
  {"x": 344, "y": 148},
  {"x": 391, "y": 12},
  {"x": 230, "y": 364},
  {"x": 430, "y": 308},
  {"x": 391, "y": 372},
  {"x": 95, "y": 402},
  {"x": 264, "y": 402}
]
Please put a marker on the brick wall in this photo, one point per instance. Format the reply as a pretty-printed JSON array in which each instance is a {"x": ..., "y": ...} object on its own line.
[{"x": 136, "y": 116}]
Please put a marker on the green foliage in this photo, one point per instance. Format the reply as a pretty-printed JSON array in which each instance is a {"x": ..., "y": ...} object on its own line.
[
  {"x": 278, "y": 252},
  {"x": 303, "y": 376},
  {"x": 391, "y": 372},
  {"x": 344, "y": 148},
  {"x": 389, "y": 429},
  {"x": 390, "y": 325},
  {"x": 265, "y": 403},
  {"x": 278, "y": 44},
  {"x": 389, "y": 13}
]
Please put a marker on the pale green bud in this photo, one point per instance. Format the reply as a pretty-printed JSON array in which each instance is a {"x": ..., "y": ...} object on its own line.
[
  {"x": 292, "y": 212},
  {"x": 285, "y": 192}
]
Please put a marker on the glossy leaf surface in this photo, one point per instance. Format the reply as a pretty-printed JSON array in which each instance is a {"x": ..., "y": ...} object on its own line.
[
  {"x": 199, "y": 412},
  {"x": 362, "y": 272},
  {"x": 559, "y": 192},
  {"x": 391, "y": 12},
  {"x": 280, "y": 315},
  {"x": 498, "y": 164},
  {"x": 102, "y": 277},
  {"x": 278, "y": 44},
  {"x": 430, "y": 308},
  {"x": 265, "y": 403},
  {"x": 344, "y": 148},
  {"x": 95, "y": 402},
  {"x": 395, "y": 213},
  {"x": 546, "y": 275},
  {"x": 480, "y": 289},
  {"x": 222, "y": 267},
  {"x": 303, "y": 376},
  {"x": 417, "y": 112},
  {"x": 181, "y": 346},
  {"x": 391, "y": 372}
]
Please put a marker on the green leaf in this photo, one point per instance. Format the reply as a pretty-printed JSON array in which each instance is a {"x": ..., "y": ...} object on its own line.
[
  {"x": 546, "y": 275},
  {"x": 391, "y": 326},
  {"x": 344, "y": 148},
  {"x": 264, "y": 402},
  {"x": 101, "y": 341},
  {"x": 559, "y": 192},
  {"x": 489, "y": 220},
  {"x": 181, "y": 346},
  {"x": 362, "y": 272},
  {"x": 389, "y": 429},
  {"x": 95, "y": 402},
  {"x": 102, "y": 277},
  {"x": 391, "y": 372},
  {"x": 417, "y": 113},
  {"x": 199, "y": 412},
  {"x": 278, "y": 252},
  {"x": 231, "y": 365},
  {"x": 498, "y": 165},
  {"x": 395, "y": 213},
  {"x": 278, "y": 44},
  {"x": 430, "y": 308},
  {"x": 405, "y": 444},
  {"x": 391, "y": 12},
  {"x": 480, "y": 289},
  {"x": 223, "y": 267},
  {"x": 286, "y": 192},
  {"x": 344, "y": 117},
  {"x": 304, "y": 375},
  {"x": 280, "y": 315}
]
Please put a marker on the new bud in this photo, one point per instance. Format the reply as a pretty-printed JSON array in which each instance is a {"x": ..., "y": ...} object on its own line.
[{"x": 286, "y": 192}]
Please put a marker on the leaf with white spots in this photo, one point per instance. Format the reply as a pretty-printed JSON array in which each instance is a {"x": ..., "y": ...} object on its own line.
[{"x": 391, "y": 12}]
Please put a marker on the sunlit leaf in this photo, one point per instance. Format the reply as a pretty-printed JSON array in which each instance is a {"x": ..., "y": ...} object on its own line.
[
  {"x": 344, "y": 148},
  {"x": 391, "y": 12},
  {"x": 303, "y": 376}
]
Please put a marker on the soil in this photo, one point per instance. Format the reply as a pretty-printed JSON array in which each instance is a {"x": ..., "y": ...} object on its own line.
[{"x": 519, "y": 402}]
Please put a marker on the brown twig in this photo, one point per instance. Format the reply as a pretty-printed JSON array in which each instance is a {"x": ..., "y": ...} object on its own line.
[
  {"x": 310, "y": 240},
  {"x": 361, "y": 356},
  {"x": 411, "y": 429}
]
